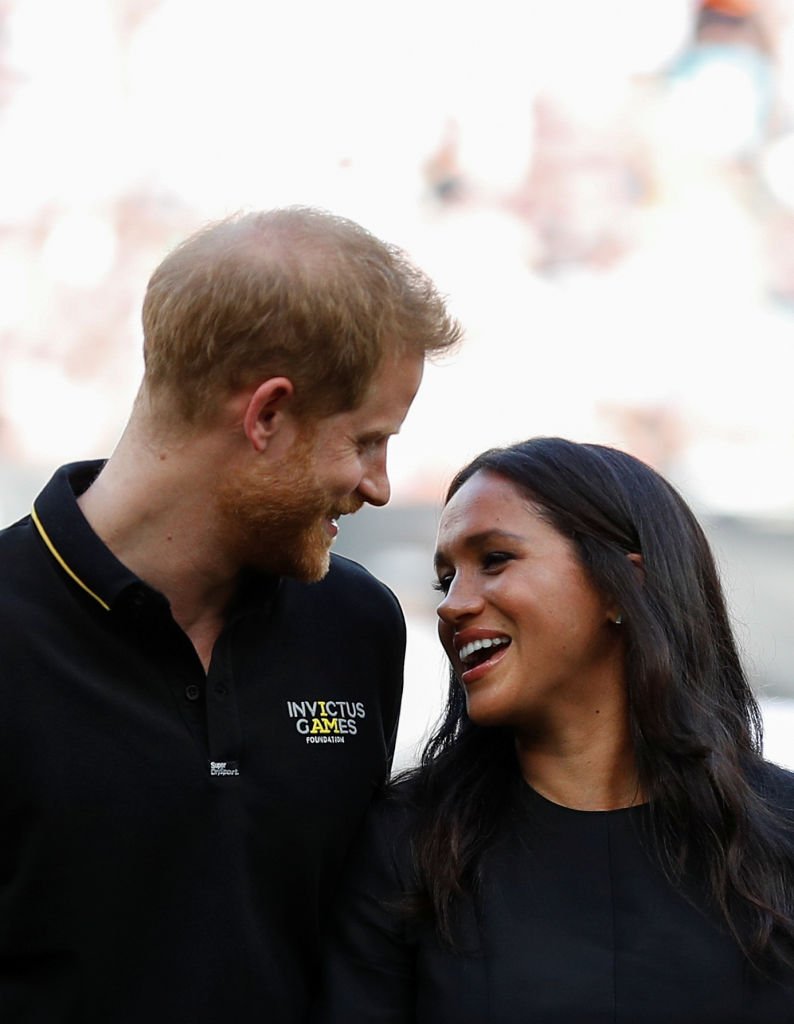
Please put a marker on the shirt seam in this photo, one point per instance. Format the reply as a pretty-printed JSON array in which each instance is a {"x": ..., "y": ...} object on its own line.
[{"x": 612, "y": 921}]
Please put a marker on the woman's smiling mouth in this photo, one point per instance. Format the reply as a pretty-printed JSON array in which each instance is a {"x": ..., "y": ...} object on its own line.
[{"x": 476, "y": 651}]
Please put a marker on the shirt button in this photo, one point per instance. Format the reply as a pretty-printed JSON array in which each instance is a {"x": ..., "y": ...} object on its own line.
[{"x": 192, "y": 692}]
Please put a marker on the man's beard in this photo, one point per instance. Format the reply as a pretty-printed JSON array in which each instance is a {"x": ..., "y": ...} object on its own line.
[{"x": 276, "y": 522}]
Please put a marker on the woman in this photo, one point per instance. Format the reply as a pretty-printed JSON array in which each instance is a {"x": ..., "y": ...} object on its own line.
[{"x": 592, "y": 835}]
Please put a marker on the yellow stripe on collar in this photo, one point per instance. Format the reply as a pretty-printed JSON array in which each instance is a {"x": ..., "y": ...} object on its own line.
[{"x": 55, "y": 554}]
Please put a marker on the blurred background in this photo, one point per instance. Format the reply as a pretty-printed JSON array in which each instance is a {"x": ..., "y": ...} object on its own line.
[{"x": 603, "y": 188}]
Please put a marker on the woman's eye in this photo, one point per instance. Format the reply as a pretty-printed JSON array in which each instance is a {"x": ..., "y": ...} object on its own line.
[
  {"x": 495, "y": 559},
  {"x": 491, "y": 561},
  {"x": 442, "y": 584}
]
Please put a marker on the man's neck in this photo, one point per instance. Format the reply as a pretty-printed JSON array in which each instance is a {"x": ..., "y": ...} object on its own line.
[{"x": 150, "y": 506}]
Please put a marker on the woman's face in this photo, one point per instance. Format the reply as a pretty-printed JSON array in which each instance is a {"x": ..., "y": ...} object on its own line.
[{"x": 527, "y": 633}]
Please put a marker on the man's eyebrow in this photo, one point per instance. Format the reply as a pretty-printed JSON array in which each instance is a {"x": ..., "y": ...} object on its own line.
[
  {"x": 377, "y": 434},
  {"x": 476, "y": 540}
]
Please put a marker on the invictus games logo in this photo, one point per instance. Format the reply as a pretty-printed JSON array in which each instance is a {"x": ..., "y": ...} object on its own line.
[{"x": 326, "y": 721}]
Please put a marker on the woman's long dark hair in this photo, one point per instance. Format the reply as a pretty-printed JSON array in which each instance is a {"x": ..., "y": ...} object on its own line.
[{"x": 695, "y": 724}]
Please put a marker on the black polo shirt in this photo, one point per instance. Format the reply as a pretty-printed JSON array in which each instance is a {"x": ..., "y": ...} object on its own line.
[{"x": 171, "y": 838}]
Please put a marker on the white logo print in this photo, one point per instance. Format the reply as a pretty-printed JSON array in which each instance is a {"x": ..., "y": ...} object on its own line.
[
  {"x": 326, "y": 721},
  {"x": 224, "y": 768}
]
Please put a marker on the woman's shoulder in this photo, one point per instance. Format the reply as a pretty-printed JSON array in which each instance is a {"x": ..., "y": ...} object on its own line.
[
  {"x": 394, "y": 809},
  {"x": 384, "y": 845},
  {"x": 776, "y": 785},
  {"x": 397, "y": 808}
]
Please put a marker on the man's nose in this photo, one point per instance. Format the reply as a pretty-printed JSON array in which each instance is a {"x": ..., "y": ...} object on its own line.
[{"x": 374, "y": 487}]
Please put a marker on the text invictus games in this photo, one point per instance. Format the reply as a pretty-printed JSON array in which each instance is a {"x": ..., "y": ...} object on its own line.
[{"x": 326, "y": 721}]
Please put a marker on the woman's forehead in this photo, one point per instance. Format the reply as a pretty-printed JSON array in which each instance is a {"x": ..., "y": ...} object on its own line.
[{"x": 485, "y": 504}]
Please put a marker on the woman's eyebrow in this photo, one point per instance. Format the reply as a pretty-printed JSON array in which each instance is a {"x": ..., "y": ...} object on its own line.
[{"x": 476, "y": 540}]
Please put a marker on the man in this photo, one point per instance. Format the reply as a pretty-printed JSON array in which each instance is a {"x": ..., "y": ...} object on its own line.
[{"x": 195, "y": 710}]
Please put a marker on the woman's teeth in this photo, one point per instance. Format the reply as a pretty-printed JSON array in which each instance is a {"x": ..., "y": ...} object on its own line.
[{"x": 468, "y": 649}]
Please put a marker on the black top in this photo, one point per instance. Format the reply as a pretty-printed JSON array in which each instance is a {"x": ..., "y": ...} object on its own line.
[
  {"x": 576, "y": 924},
  {"x": 170, "y": 838}
]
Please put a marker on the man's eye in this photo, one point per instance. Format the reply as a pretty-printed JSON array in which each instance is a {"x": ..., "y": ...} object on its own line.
[{"x": 371, "y": 444}]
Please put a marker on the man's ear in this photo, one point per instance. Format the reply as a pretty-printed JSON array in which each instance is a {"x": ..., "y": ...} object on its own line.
[{"x": 267, "y": 411}]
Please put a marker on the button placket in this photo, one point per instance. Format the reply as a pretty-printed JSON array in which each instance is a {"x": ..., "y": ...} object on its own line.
[
  {"x": 145, "y": 616},
  {"x": 223, "y": 723}
]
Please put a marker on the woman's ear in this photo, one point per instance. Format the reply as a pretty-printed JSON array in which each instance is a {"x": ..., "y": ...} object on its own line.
[
  {"x": 639, "y": 565},
  {"x": 614, "y": 612},
  {"x": 266, "y": 410}
]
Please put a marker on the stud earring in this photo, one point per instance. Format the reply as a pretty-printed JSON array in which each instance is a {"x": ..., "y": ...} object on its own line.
[{"x": 619, "y": 619}]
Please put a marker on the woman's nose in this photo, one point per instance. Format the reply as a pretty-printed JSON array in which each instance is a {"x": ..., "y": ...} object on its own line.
[{"x": 461, "y": 599}]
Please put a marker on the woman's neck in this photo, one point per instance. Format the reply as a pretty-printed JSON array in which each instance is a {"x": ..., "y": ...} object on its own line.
[{"x": 587, "y": 768}]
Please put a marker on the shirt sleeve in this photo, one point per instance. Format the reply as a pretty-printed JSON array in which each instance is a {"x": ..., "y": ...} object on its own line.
[
  {"x": 394, "y": 692},
  {"x": 368, "y": 974}
]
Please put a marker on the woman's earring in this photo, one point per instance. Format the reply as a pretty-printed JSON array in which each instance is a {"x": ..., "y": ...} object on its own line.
[{"x": 619, "y": 619}]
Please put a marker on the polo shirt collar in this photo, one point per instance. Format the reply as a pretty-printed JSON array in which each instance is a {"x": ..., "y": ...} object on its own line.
[
  {"x": 93, "y": 567},
  {"x": 72, "y": 543}
]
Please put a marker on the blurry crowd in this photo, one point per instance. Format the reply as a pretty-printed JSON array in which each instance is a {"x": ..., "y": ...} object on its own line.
[
  {"x": 606, "y": 191},
  {"x": 662, "y": 197},
  {"x": 606, "y": 157}
]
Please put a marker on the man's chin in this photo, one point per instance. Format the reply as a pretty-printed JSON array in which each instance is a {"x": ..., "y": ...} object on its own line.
[
  {"x": 314, "y": 559},
  {"x": 312, "y": 571},
  {"x": 308, "y": 562}
]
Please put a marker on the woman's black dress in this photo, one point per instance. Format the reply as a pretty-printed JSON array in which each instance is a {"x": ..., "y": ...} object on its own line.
[{"x": 575, "y": 924}]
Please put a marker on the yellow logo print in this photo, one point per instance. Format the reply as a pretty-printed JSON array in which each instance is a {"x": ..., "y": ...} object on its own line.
[{"x": 326, "y": 721}]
